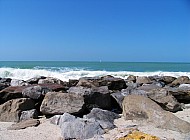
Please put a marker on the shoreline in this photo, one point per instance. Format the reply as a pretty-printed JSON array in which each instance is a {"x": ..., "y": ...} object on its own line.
[{"x": 46, "y": 97}]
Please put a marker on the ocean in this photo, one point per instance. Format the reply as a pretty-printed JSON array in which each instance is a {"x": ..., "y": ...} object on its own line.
[{"x": 66, "y": 70}]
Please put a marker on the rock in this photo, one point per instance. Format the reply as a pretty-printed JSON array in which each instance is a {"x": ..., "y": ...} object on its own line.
[
  {"x": 104, "y": 117},
  {"x": 11, "y": 93},
  {"x": 143, "y": 80},
  {"x": 97, "y": 97},
  {"x": 54, "y": 87},
  {"x": 157, "y": 94},
  {"x": 136, "y": 107},
  {"x": 184, "y": 85},
  {"x": 132, "y": 85},
  {"x": 73, "y": 82},
  {"x": 35, "y": 80},
  {"x": 182, "y": 94},
  {"x": 50, "y": 80},
  {"x": 56, "y": 103},
  {"x": 131, "y": 78},
  {"x": 24, "y": 124},
  {"x": 29, "y": 114},
  {"x": 3, "y": 86},
  {"x": 35, "y": 92},
  {"x": 180, "y": 80},
  {"x": 111, "y": 82},
  {"x": 55, "y": 119},
  {"x": 119, "y": 96},
  {"x": 76, "y": 128},
  {"x": 148, "y": 87},
  {"x": 16, "y": 82},
  {"x": 166, "y": 100},
  {"x": 11, "y": 110},
  {"x": 87, "y": 82},
  {"x": 168, "y": 79},
  {"x": 5, "y": 81}
]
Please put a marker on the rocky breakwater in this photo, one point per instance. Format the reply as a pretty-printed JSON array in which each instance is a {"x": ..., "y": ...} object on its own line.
[{"x": 88, "y": 107}]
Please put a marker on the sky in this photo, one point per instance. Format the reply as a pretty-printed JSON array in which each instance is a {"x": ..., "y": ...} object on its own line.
[{"x": 94, "y": 30}]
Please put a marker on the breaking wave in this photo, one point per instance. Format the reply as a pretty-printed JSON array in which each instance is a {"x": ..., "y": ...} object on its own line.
[{"x": 75, "y": 73}]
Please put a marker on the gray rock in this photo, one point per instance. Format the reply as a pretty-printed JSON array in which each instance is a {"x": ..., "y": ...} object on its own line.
[
  {"x": 182, "y": 94},
  {"x": 29, "y": 114},
  {"x": 24, "y": 124},
  {"x": 110, "y": 81},
  {"x": 56, "y": 103},
  {"x": 180, "y": 80},
  {"x": 159, "y": 95},
  {"x": 76, "y": 128},
  {"x": 184, "y": 85},
  {"x": 35, "y": 80},
  {"x": 16, "y": 82},
  {"x": 104, "y": 117},
  {"x": 50, "y": 80},
  {"x": 131, "y": 78},
  {"x": 35, "y": 92},
  {"x": 97, "y": 97},
  {"x": 11, "y": 110},
  {"x": 55, "y": 119},
  {"x": 136, "y": 107},
  {"x": 143, "y": 80},
  {"x": 168, "y": 79}
]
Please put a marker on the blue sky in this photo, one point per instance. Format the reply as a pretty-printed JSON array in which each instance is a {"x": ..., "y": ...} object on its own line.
[{"x": 90, "y": 30}]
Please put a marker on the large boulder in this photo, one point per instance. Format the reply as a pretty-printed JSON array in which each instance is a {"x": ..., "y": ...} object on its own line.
[
  {"x": 54, "y": 87},
  {"x": 180, "y": 80},
  {"x": 35, "y": 92},
  {"x": 11, "y": 110},
  {"x": 77, "y": 128},
  {"x": 136, "y": 107},
  {"x": 168, "y": 79},
  {"x": 143, "y": 80},
  {"x": 11, "y": 93},
  {"x": 160, "y": 95},
  {"x": 110, "y": 81},
  {"x": 182, "y": 94},
  {"x": 58, "y": 103},
  {"x": 104, "y": 117},
  {"x": 97, "y": 97}
]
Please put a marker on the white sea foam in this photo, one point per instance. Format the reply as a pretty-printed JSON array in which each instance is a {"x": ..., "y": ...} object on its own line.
[{"x": 66, "y": 74}]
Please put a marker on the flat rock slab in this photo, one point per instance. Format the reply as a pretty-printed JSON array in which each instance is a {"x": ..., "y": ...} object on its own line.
[{"x": 24, "y": 124}]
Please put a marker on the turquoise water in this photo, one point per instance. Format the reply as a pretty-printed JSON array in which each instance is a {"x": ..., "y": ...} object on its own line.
[
  {"x": 74, "y": 70},
  {"x": 107, "y": 66}
]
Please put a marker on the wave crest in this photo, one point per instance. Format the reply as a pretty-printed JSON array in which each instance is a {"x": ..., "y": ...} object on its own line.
[{"x": 66, "y": 74}]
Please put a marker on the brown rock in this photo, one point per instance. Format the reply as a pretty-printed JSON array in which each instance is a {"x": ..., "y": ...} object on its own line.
[
  {"x": 180, "y": 80},
  {"x": 142, "y": 108},
  {"x": 143, "y": 80},
  {"x": 58, "y": 103},
  {"x": 11, "y": 110},
  {"x": 11, "y": 93}
]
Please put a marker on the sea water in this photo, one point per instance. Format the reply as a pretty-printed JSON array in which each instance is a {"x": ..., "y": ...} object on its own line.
[{"x": 66, "y": 70}]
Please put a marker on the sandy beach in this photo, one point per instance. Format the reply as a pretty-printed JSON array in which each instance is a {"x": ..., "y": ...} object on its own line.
[{"x": 48, "y": 131}]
